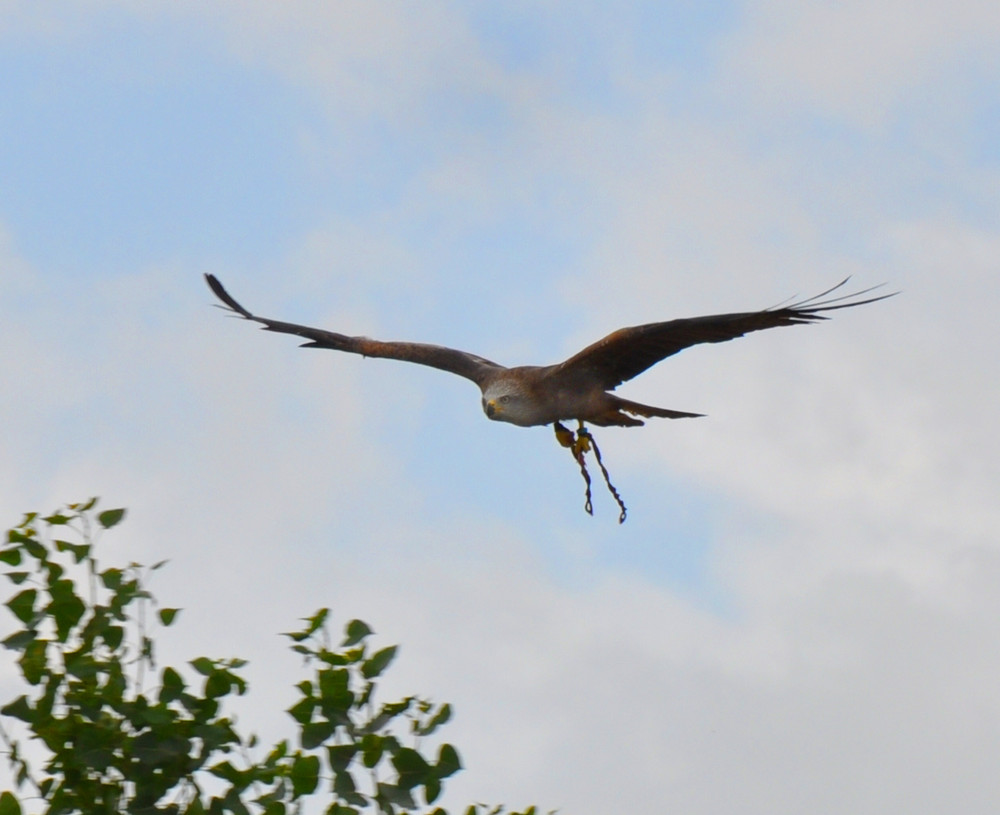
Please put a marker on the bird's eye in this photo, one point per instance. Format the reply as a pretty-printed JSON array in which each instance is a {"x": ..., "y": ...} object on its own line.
[{"x": 504, "y": 399}]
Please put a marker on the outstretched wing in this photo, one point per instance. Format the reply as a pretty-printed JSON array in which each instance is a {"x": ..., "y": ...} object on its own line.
[
  {"x": 630, "y": 351},
  {"x": 436, "y": 356}
]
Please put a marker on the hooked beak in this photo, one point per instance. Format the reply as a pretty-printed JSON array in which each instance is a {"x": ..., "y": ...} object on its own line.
[{"x": 490, "y": 407}]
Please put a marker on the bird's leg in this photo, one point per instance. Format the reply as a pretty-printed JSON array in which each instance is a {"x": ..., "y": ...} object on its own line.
[
  {"x": 586, "y": 442},
  {"x": 567, "y": 438}
]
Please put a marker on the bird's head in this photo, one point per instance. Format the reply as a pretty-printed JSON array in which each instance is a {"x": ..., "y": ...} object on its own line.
[{"x": 504, "y": 402}]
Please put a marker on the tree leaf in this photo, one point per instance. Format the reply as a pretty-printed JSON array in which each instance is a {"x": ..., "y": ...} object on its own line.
[
  {"x": 219, "y": 683},
  {"x": 432, "y": 789},
  {"x": 315, "y": 733},
  {"x": 33, "y": 662},
  {"x": 335, "y": 695},
  {"x": 55, "y": 571},
  {"x": 314, "y": 624},
  {"x": 110, "y": 517},
  {"x": 12, "y": 557},
  {"x": 19, "y": 639},
  {"x": 66, "y": 608},
  {"x": 443, "y": 715},
  {"x": 9, "y": 804},
  {"x": 304, "y": 775},
  {"x": 372, "y": 747},
  {"x": 171, "y": 686},
  {"x": 448, "y": 762},
  {"x": 393, "y": 709},
  {"x": 378, "y": 662},
  {"x": 411, "y": 766},
  {"x": 317, "y": 620},
  {"x": 80, "y": 663},
  {"x": 19, "y": 709},
  {"x": 234, "y": 804},
  {"x": 340, "y": 756},
  {"x": 345, "y": 788},
  {"x": 203, "y": 665},
  {"x": 78, "y": 550},
  {"x": 32, "y": 547},
  {"x": 23, "y": 605},
  {"x": 333, "y": 682},
  {"x": 226, "y": 771},
  {"x": 355, "y": 631},
  {"x": 347, "y": 657},
  {"x": 302, "y": 710},
  {"x": 168, "y": 615},
  {"x": 113, "y": 636}
]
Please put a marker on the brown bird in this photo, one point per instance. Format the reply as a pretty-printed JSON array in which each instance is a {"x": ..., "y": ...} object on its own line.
[{"x": 580, "y": 387}]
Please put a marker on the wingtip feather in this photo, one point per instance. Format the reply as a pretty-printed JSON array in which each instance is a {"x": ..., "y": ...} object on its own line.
[
  {"x": 808, "y": 310},
  {"x": 219, "y": 291}
]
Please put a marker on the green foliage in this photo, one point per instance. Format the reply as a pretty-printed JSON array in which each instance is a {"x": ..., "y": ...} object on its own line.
[{"x": 111, "y": 746}]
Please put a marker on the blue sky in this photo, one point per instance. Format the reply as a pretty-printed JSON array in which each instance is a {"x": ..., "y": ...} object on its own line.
[{"x": 518, "y": 180}]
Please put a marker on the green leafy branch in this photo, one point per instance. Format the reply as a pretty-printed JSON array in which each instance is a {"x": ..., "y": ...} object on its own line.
[{"x": 113, "y": 747}]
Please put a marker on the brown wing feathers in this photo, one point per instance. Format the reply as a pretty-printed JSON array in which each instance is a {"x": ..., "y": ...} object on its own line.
[
  {"x": 317, "y": 336},
  {"x": 618, "y": 357},
  {"x": 628, "y": 352},
  {"x": 451, "y": 360}
]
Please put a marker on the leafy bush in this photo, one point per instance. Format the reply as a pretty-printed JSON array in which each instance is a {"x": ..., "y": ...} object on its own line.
[{"x": 85, "y": 652}]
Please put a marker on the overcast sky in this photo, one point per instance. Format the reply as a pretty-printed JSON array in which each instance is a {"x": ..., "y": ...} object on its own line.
[{"x": 802, "y": 612}]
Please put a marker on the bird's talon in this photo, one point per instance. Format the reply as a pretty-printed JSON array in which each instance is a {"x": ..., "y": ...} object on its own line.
[{"x": 564, "y": 436}]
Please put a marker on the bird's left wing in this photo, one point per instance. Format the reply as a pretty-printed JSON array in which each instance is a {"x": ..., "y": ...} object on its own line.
[
  {"x": 628, "y": 352},
  {"x": 436, "y": 356}
]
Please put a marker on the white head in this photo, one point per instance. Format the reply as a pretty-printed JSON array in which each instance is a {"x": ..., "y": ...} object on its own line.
[{"x": 503, "y": 401}]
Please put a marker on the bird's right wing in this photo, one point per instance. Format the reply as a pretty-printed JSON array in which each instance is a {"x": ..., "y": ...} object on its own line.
[
  {"x": 628, "y": 352},
  {"x": 436, "y": 356}
]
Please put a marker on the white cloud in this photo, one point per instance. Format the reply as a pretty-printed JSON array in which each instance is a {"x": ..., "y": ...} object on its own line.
[
  {"x": 369, "y": 58},
  {"x": 860, "y": 61}
]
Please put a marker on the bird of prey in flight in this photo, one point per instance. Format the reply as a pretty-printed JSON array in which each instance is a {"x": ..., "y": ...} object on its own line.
[{"x": 579, "y": 388}]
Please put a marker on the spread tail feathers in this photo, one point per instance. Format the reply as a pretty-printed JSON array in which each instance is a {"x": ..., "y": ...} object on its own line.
[
  {"x": 618, "y": 410},
  {"x": 649, "y": 411}
]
